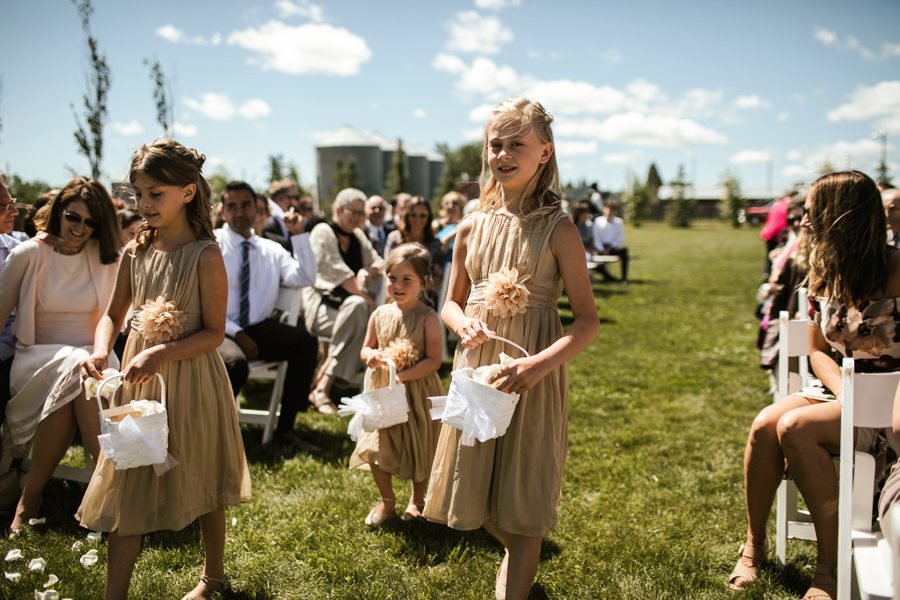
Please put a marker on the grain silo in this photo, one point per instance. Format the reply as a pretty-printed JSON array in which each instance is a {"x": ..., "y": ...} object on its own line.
[
  {"x": 435, "y": 170},
  {"x": 419, "y": 172},
  {"x": 348, "y": 145}
]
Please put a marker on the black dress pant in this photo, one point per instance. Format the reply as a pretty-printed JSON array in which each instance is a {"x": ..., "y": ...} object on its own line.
[
  {"x": 5, "y": 366},
  {"x": 277, "y": 341}
]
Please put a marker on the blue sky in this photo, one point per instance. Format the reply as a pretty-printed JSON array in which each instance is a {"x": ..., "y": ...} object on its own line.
[{"x": 711, "y": 85}]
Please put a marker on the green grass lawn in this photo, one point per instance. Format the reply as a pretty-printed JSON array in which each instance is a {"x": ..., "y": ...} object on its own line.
[{"x": 659, "y": 410}]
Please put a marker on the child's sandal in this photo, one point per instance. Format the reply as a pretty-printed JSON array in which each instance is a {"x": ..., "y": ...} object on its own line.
[
  {"x": 413, "y": 511},
  {"x": 322, "y": 403},
  {"x": 377, "y": 518},
  {"x": 213, "y": 585}
]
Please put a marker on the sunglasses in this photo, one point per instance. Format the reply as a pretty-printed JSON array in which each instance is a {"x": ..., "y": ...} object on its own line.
[
  {"x": 77, "y": 219},
  {"x": 8, "y": 206}
]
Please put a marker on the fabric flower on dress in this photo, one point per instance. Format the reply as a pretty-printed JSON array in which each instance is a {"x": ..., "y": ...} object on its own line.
[
  {"x": 505, "y": 293},
  {"x": 402, "y": 352},
  {"x": 159, "y": 321},
  {"x": 872, "y": 329}
]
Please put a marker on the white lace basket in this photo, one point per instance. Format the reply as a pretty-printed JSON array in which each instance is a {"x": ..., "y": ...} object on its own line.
[
  {"x": 376, "y": 409},
  {"x": 481, "y": 412},
  {"x": 130, "y": 438}
]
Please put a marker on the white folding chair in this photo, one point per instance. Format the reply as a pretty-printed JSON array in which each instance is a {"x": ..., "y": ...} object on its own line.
[
  {"x": 793, "y": 342},
  {"x": 864, "y": 557},
  {"x": 289, "y": 303},
  {"x": 442, "y": 296}
]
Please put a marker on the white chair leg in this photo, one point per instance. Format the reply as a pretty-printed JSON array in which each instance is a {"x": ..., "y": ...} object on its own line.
[
  {"x": 781, "y": 522},
  {"x": 274, "y": 401}
]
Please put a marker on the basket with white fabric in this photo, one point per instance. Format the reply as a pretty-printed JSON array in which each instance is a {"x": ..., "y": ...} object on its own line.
[
  {"x": 135, "y": 434},
  {"x": 376, "y": 409}
]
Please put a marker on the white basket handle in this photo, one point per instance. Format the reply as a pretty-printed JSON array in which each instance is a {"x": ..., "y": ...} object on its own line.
[
  {"x": 465, "y": 352},
  {"x": 118, "y": 376},
  {"x": 393, "y": 369}
]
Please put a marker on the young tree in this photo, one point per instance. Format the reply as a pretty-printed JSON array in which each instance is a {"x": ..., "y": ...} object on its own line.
[
  {"x": 654, "y": 182},
  {"x": 680, "y": 210},
  {"x": 397, "y": 178},
  {"x": 731, "y": 203},
  {"x": 294, "y": 175},
  {"x": 162, "y": 96},
  {"x": 636, "y": 198},
  {"x": 276, "y": 167},
  {"x": 89, "y": 134},
  {"x": 461, "y": 165},
  {"x": 884, "y": 176}
]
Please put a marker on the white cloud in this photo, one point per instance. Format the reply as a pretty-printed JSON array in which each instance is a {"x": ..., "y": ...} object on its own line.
[
  {"x": 861, "y": 154},
  {"x": 795, "y": 172},
  {"x": 568, "y": 97},
  {"x": 889, "y": 50},
  {"x": 304, "y": 49},
  {"x": 130, "y": 128},
  {"x": 178, "y": 36},
  {"x": 212, "y": 106},
  {"x": 496, "y": 4},
  {"x": 749, "y": 157},
  {"x": 699, "y": 102},
  {"x": 611, "y": 56},
  {"x": 184, "y": 129},
  {"x": 303, "y": 9},
  {"x": 750, "y": 102},
  {"x": 254, "y": 109},
  {"x": 793, "y": 155},
  {"x": 473, "y": 134},
  {"x": 826, "y": 36},
  {"x": 575, "y": 148},
  {"x": 485, "y": 77},
  {"x": 621, "y": 158},
  {"x": 472, "y": 32},
  {"x": 419, "y": 113},
  {"x": 448, "y": 63},
  {"x": 641, "y": 129},
  {"x": 481, "y": 113},
  {"x": 783, "y": 116},
  {"x": 645, "y": 92},
  {"x": 879, "y": 103}
]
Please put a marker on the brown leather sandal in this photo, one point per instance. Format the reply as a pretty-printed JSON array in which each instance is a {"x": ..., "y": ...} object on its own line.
[
  {"x": 213, "y": 586},
  {"x": 744, "y": 573},
  {"x": 826, "y": 587},
  {"x": 322, "y": 403}
]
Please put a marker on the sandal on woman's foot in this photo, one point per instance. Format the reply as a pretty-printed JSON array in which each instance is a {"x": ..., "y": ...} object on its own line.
[
  {"x": 743, "y": 572},
  {"x": 211, "y": 586},
  {"x": 322, "y": 403},
  {"x": 413, "y": 511},
  {"x": 376, "y": 518},
  {"x": 824, "y": 584}
]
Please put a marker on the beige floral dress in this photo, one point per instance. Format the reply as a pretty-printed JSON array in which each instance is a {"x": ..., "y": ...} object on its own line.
[
  {"x": 869, "y": 333},
  {"x": 405, "y": 450},
  {"x": 204, "y": 435},
  {"x": 512, "y": 482}
]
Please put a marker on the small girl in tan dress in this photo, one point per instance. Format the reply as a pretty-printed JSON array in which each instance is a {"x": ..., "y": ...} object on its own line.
[
  {"x": 512, "y": 259},
  {"x": 174, "y": 277},
  {"x": 408, "y": 332}
]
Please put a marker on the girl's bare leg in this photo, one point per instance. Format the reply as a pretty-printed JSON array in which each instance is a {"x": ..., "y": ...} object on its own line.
[
  {"x": 212, "y": 532},
  {"x": 122, "y": 553},
  {"x": 89, "y": 424}
]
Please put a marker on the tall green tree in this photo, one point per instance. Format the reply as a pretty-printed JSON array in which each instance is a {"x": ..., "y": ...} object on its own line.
[
  {"x": 680, "y": 209},
  {"x": 162, "y": 96},
  {"x": 653, "y": 183},
  {"x": 636, "y": 197},
  {"x": 276, "y": 167},
  {"x": 397, "y": 177},
  {"x": 462, "y": 165},
  {"x": 884, "y": 177},
  {"x": 89, "y": 133},
  {"x": 731, "y": 203}
]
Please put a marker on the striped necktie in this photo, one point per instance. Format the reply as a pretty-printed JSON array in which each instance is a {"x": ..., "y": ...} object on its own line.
[{"x": 244, "y": 315}]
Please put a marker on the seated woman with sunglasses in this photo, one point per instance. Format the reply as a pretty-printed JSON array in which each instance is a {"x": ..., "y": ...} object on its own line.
[
  {"x": 417, "y": 228},
  {"x": 59, "y": 283}
]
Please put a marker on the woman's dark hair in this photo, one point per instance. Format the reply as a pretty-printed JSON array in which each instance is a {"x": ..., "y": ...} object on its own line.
[
  {"x": 100, "y": 206},
  {"x": 170, "y": 163},
  {"x": 850, "y": 255},
  {"x": 428, "y": 233}
]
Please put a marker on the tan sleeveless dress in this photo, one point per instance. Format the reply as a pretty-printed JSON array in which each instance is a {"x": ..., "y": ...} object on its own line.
[
  {"x": 512, "y": 482},
  {"x": 204, "y": 435},
  {"x": 405, "y": 450}
]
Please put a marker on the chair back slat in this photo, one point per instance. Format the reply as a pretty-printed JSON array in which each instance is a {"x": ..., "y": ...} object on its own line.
[
  {"x": 797, "y": 337},
  {"x": 874, "y": 399}
]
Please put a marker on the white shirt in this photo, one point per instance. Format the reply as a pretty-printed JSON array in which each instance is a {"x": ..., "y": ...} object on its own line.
[
  {"x": 608, "y": 234},
  {"x": 271, "y": 267},
  {"x": 7, "y": 339}
]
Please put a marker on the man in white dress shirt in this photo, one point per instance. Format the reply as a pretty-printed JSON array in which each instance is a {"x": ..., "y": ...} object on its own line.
[
  {"x": 376, "y": 226},
  {"x": 256, "y": 268},
  {"x": 8, "y": 212},
  {"x": 609, "y": 238}
]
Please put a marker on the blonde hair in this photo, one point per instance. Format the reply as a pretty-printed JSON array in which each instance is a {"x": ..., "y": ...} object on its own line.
[
  {"x": 170, "y": 163},
  {"x": 419, "y": 258},
  {"x": 515, "y": 116}
]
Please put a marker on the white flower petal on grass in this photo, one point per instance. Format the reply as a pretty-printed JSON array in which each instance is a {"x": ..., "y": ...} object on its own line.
[
  {"x": 37, "y": 564},
  {"x": 95, "y": 536},
  {"x": 78, "y": 545},
  {"x": 89, "y": 559},
  {"x": 51, "y": 580},
  {"x": 14, "y": 577},
  {"x": 14, "y": 554},
  {"x": 233, "y": 521},
  {"x": 48, "y": 595},
  {"x": 34, "y": 522}
]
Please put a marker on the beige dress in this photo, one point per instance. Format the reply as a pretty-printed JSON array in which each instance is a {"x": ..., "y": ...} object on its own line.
[
  {"x": 405, "y": 450},
  {"x": 512, "y": 482},
  {"x": 46, "y": 375},
  {"x": 204, "y": 435}
]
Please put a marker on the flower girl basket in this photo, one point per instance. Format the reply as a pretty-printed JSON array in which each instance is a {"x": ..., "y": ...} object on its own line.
[
  {"x": 480, "y": 411},
  {"x": 376, "y": 409},
  {"x": 136, "y": 434}
]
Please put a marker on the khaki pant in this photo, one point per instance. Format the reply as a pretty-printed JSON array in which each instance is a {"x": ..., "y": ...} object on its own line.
[{"x": 343, "y": 327}]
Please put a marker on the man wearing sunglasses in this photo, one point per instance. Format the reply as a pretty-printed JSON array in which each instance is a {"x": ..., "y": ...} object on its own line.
[
  {"x": 8, "y": 212},
  {"x": 285, "y": 221}
]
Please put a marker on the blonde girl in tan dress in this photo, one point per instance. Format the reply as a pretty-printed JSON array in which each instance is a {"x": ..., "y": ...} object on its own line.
[
  {"x": 407, "y": 331},
  {"x": 512, "y": 259},
  {"x": 174, "y": 277}
]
